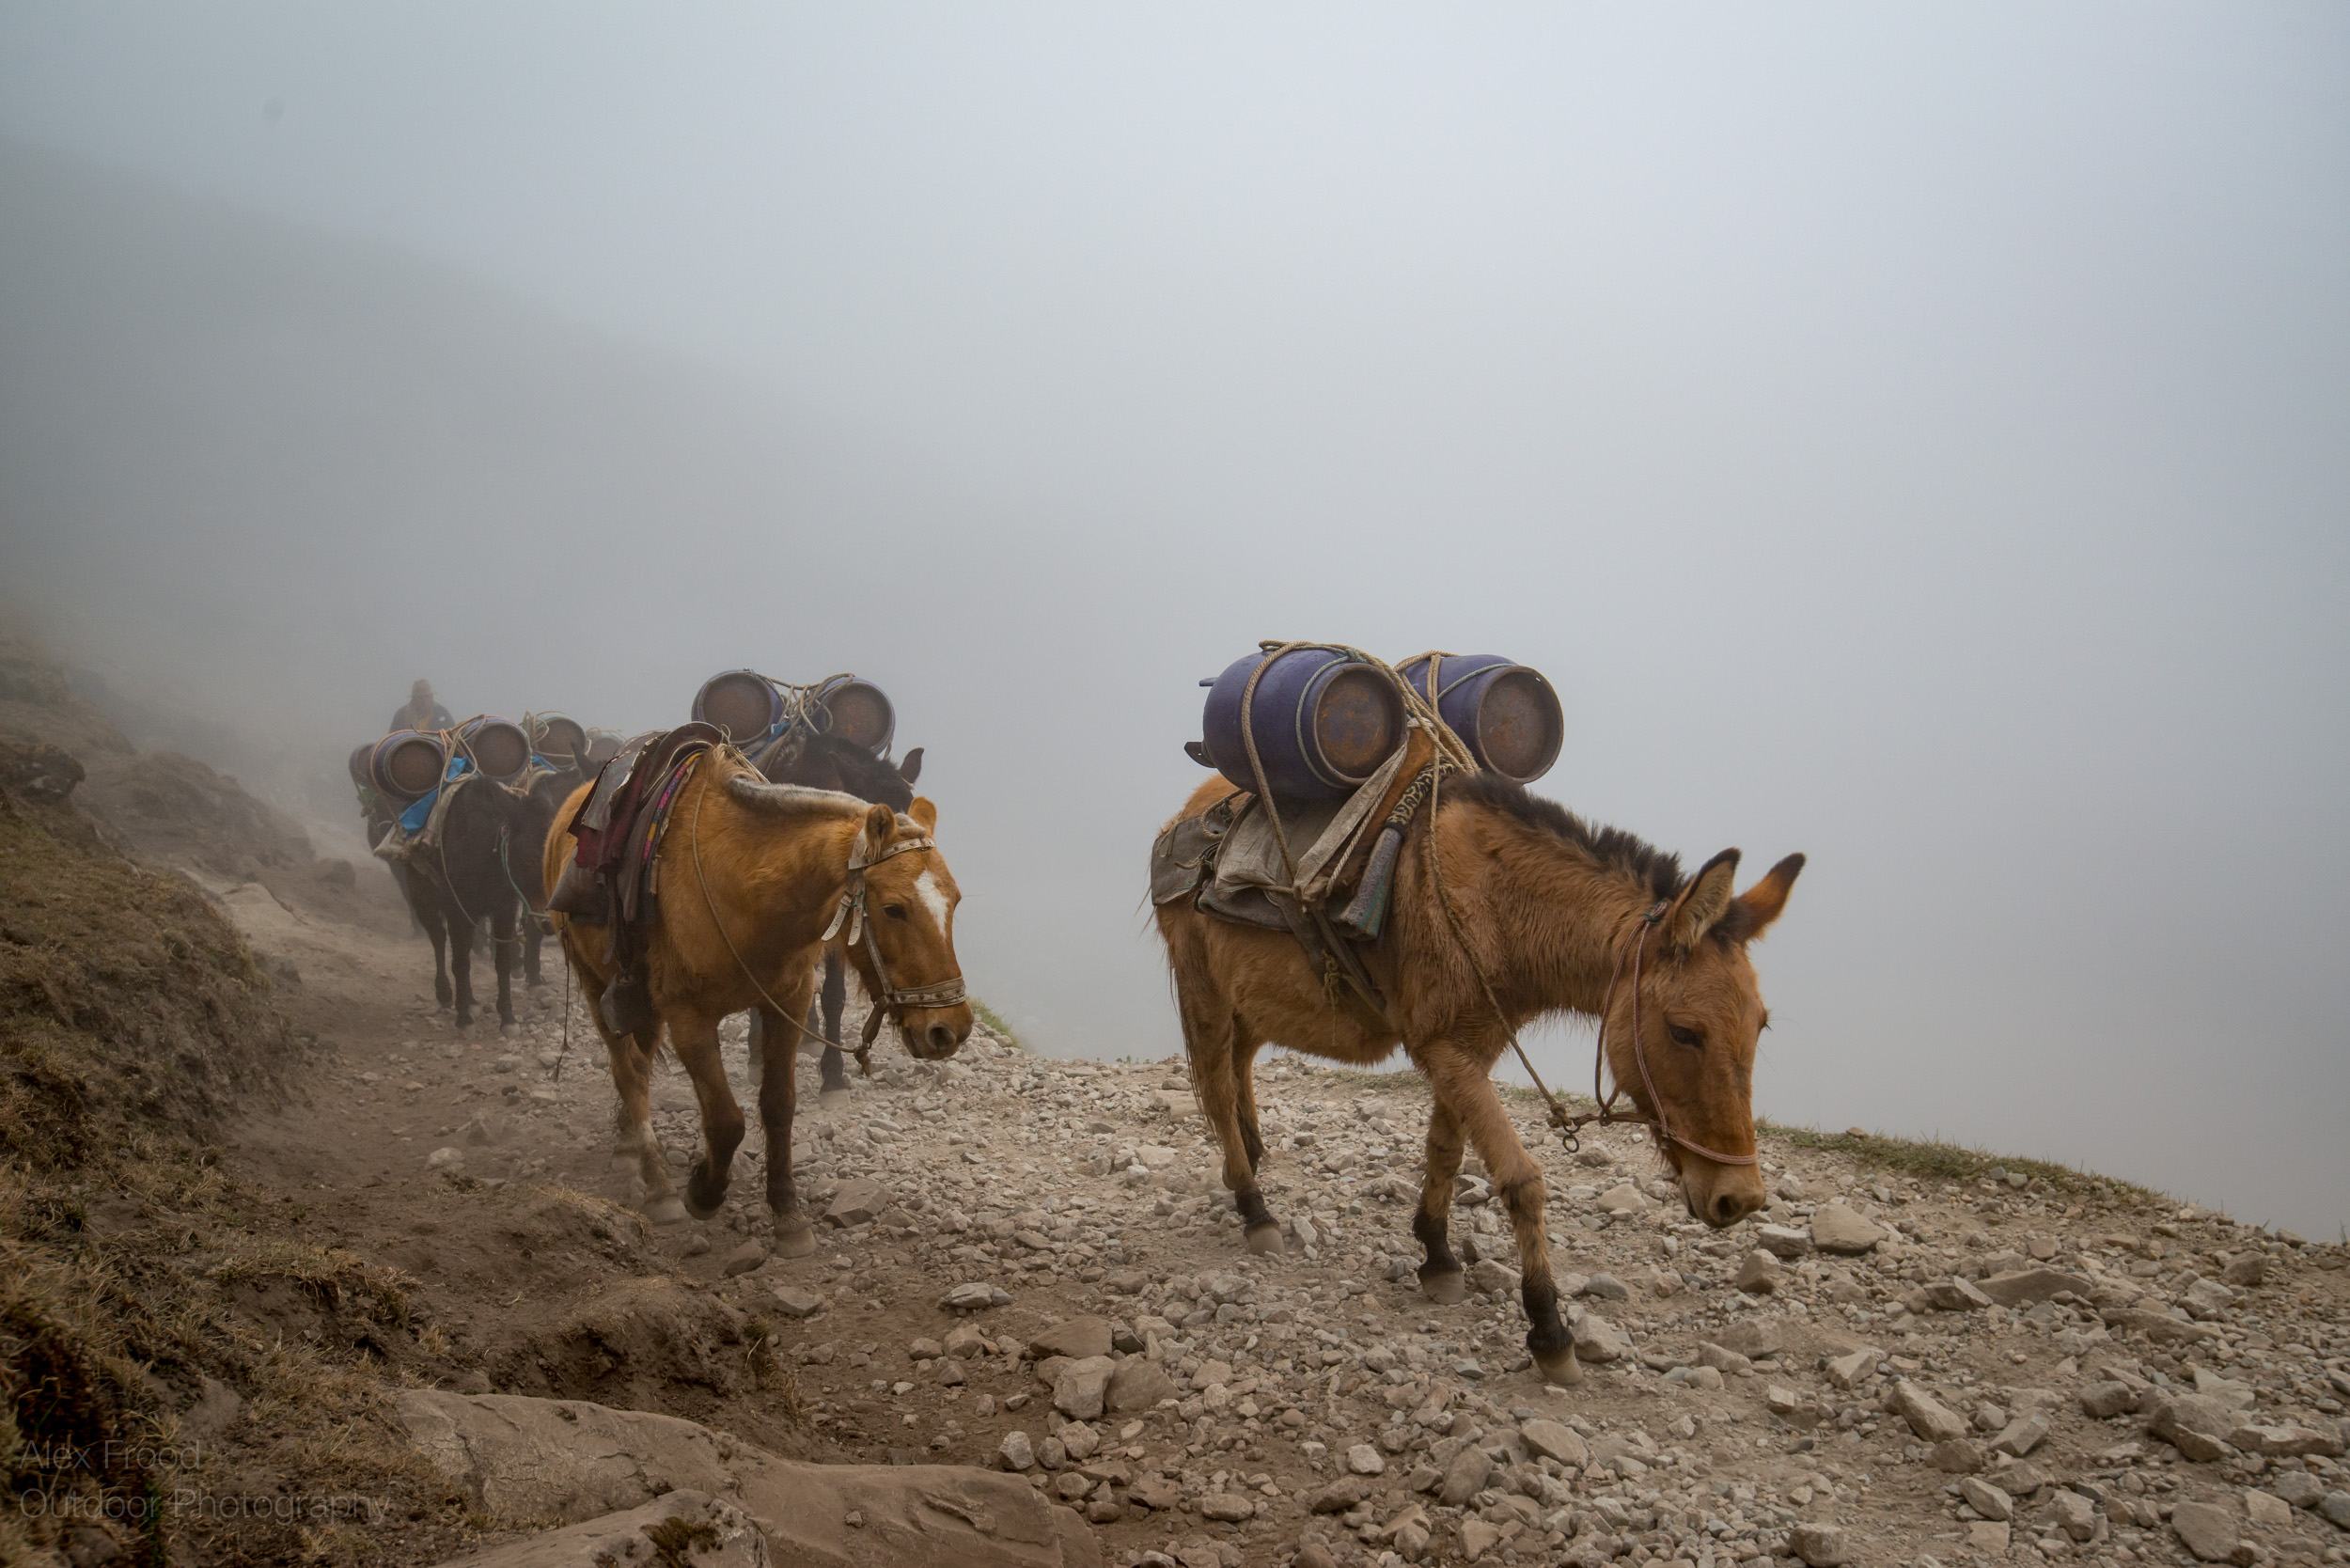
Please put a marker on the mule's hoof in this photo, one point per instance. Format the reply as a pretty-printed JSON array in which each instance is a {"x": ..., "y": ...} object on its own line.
[
  {"x": 1265, "y": 1238},
  {"x": 795, "y": 1243},
  {"x": 831, "y": 1098},
  {"x": 510, "y": 1028},
  {"x": 1559, "y": 1368},
  {"x": 1445, "y": 1290},
  {"x": 666, "y": 1210}
]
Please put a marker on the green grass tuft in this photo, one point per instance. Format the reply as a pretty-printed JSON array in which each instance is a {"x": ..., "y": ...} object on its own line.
[{"x": 994, "y": 1021}]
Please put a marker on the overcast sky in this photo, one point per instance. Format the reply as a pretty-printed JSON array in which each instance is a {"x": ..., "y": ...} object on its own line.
[{"x": 1911, "y": 436}]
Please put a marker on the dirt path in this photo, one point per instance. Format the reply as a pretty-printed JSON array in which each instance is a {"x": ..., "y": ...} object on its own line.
[{"x": 1311, "y": 1402}]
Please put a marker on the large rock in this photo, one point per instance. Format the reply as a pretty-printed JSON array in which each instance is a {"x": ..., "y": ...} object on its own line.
[
  {"x": 1932, "y": 1420},
  {"x": 2197, "y": 1426},
  {"x": 2101, "y": 1400},
  {"x": 1955, "y": 1295},
  {"x": 1986, "y": 1499},
  {"x": 2285, "y": 1442},
  {"x": 1549, "y": 1439},
  {"x": 540, "y": 1459},
  {"x": 690, "y": 1529},
  {"x": 2075, "y": 1515},
  {"x": 2298, "y": 1488},
  {"x": 1624, "y": 1199},
  {"x": 1759, "y": 1273},
  {"x": 2207, "y": 1531},
  {"x": 1339, "y": 1495},
  {"x": 1851, "y": 1371},
  {"x": 1818, "y": 1545},
  {"x": 1596, "y": 1339},
  {"x": 1837, "y": 1229},
  {"x": 1723, "y": 1359},
  {"x": 1783, "y": 1241},
  {"x": 1757, "y": 1339},
  {"x": 1081, "y": 1387},
  {"x": 1138, "y": 1383},
  {"x": 1077, "y": 1338},
  {"x": 2031, "y": 1286},
  {"x": 857, "y": 1202},
  {"x": 1956, "y": 1456},
  {"x": 2022, "y": 1435},
  {"x": 2206, "y": 1298},
  {"x": 1466, "y": 1476}
]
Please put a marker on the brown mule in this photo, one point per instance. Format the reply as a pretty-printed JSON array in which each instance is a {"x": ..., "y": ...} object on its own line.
[
  {"x": 1558, "y": 913},
  {"x": 755, "y": 877}
]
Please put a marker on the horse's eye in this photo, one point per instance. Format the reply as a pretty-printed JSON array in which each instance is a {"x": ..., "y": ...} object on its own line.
[
  {"x": 895, "y": 911},
  {"x": 1686, "y": 1036}
]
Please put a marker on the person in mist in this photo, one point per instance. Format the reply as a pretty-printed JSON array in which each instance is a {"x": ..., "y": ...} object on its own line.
[{"x": 421, "y": 713}]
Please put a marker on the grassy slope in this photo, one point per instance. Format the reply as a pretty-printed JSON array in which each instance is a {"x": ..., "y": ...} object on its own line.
[{"x": 132, "y": 1018}]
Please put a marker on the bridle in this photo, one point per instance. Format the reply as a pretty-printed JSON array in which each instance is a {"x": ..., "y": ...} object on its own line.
[
  {"x": 945, "y": 992},
  {"x": 852, "y": 914},
  {"x": 1606, "y": 1112}
]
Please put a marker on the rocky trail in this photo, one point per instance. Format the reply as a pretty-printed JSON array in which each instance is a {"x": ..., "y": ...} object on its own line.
[
  {"x": 1029, "y": 1267},
  {"x": 292, "y": 1269}
]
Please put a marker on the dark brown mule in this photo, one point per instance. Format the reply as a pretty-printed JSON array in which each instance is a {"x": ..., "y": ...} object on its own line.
[
  {"x": 752, "y": 876},
  {"x": 480, "y": 876},
  {"x": 1556, "y": 910}
]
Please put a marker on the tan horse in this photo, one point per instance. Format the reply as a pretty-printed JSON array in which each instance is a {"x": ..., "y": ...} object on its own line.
[
  {"x": 751, "y": 877},
  {"x": 1560, "y": 915}
]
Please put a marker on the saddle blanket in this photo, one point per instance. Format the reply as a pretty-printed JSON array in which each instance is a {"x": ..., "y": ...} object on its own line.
[
  {"x": 418, "y": 827},
  {"x": 1229, "y": 857}
]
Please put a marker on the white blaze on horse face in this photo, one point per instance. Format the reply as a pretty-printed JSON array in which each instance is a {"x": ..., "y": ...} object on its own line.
[{"x": 933, "y": 898}]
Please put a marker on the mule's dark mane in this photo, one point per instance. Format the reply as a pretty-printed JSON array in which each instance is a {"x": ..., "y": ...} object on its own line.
[
  {"x": 827, "y": 761},
  {"x": 1611, "y": 848}
]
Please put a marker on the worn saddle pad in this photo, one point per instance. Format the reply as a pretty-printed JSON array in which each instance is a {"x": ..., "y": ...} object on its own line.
[{"x": 1185, "y": 852}]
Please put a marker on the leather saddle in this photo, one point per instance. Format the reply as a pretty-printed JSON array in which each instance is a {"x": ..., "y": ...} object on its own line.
[{"x": 626, "y": 793}]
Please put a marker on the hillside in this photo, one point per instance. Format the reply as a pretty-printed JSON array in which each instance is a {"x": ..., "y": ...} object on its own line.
[{"x": 335, "y": 1252}]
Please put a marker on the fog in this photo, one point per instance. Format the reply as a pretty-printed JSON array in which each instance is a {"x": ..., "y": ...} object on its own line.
[{"x": 1914, "y": 437}]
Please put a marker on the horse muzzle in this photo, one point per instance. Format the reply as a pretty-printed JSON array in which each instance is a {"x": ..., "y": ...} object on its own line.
[
  {"x": 1720, "y": 1194},
  {"x": 934, "y": 1033}
]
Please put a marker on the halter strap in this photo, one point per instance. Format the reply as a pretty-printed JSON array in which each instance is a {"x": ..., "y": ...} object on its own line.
[
  {"x": 851, "y": 913},
  {"x": 1639, "y": 1055}
]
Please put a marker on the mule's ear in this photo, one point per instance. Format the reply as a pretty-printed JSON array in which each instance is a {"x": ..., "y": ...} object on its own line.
[
  {"x": 1705, "y": 900},
  {"x": 1754, "y": 910},
  {"x": 911, "y": 768},
  {"x": 924, "y": 810},
  {"x": 881, "y": 825}
]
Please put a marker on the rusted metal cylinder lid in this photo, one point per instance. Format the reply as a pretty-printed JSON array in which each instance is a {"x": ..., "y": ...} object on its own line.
[
  {"x": 408, "y": 764},
  {"x": 1322, "y": 721},
  {"x": 559, "y": 738},
  {"x": 497, "y": 746},
  {"x": 1505, "y": 712},
  {"x": 742, "y": 702},
  {"x": 861, "y": 714}
]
